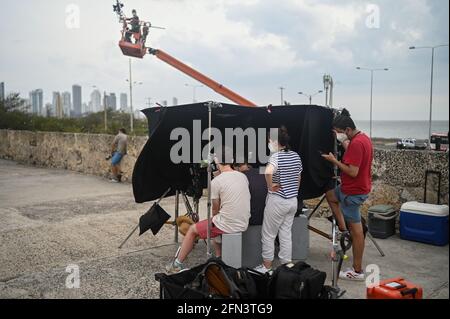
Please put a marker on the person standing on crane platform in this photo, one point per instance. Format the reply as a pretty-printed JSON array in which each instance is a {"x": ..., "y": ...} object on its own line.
[{"x": 135, "y": 25}]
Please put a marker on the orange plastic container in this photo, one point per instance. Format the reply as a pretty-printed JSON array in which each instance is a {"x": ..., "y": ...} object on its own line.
[{"x": 397, "y": 288}]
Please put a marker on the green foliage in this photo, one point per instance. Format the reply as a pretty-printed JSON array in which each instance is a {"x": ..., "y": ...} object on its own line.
[{"x": 11, "y": 117}]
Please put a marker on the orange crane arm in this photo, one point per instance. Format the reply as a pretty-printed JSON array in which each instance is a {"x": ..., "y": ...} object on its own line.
[{"x": 219, "y": 88}]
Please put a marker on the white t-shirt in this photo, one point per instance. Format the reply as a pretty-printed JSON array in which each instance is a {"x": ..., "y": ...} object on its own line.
[{"x": 232, "y": 190}]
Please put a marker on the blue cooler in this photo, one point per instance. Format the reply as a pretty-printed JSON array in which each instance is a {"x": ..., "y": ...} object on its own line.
[{"x": 424, "y": 223}]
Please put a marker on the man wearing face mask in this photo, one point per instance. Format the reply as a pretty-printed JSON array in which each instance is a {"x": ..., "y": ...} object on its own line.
[
  {"x": 230, "y": 197},
  {"x": 356, "y": 184}
]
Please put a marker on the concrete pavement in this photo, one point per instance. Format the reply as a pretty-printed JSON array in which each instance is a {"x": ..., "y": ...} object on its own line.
[{"x": 50, "y": 219}]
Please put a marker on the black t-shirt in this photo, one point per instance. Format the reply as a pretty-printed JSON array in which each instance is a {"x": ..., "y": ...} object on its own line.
[
  {"x": 135, "y": 23},
  {"x": 258, "y": 192}
]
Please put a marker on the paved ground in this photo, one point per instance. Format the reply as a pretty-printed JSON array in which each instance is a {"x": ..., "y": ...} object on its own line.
[{"x": 50, "y": 219}]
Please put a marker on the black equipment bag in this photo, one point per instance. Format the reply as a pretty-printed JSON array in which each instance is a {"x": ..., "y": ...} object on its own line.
[
  {"x": 298, "y": 281},
  {"x": 212, "y": 280},
  {"x": 215, "y": 281},
  {"x": 251, "y": 284}
]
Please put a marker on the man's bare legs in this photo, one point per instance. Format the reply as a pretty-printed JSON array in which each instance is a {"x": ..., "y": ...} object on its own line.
[
  {"x": 358, "y": 243},
  {"x": 188, "y": 243},
  {"x": 335, "y": 209},
  {"x": 356, "y": 231},
  {"x": 217, "y": 249},
  {"x": 114, "y": 171}
]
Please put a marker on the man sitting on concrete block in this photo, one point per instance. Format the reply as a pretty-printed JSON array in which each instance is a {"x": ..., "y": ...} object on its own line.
[{"x": 230, "y": 197}]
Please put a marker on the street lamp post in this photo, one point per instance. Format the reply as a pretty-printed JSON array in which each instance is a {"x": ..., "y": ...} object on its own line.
[
  {"x": 310, "y": 96},
  {"x": 194, "y": 90},
  {"x": 130, "y": 80},
  {"x": 282, "y": 91},
  {"x": 371, "y": 91},
  {"x": 433, "y": 48}
]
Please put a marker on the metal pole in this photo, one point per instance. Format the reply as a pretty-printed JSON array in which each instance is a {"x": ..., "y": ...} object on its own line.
[
  {"x": 208, "y": 242},
  {"x": 371, "y": 101},
  {"x": 177, "y": 211},
  {"x": 431, "y": 98},
  {"x": 104, "y": 109},
  {"x": 131, "y": 100},
  {"x": 282, "y": 96},
  {"x": 334, "y": 269}
]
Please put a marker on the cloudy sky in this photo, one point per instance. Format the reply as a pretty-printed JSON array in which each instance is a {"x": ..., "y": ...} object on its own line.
[{"x": 251, "y": 46}]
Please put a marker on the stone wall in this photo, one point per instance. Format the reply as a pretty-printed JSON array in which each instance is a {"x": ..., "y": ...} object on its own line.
[
  {"x": 398, "y": 175},
  {"x": 84, "y": 153}
]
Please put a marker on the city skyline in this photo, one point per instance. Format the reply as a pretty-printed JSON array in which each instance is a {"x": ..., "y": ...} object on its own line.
[{"x": 61, "y": 104}]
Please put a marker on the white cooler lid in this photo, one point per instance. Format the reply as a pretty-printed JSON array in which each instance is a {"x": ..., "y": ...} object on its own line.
[{"x": 425, "y": 209}]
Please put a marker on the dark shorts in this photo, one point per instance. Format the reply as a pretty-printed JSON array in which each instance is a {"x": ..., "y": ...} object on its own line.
[
  {"x": 116, "y": 159},
  {"x": 350, "y": 205}
]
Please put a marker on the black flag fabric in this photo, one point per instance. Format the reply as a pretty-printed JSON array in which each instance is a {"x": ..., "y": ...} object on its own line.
[{"x": 154, "y": 219}]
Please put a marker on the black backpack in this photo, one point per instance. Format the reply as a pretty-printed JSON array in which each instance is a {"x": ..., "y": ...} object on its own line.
[
  {"x": 216, "y": 281},
  {"x": 298, "y": 281},
  {"x": 245, "y": 282}
]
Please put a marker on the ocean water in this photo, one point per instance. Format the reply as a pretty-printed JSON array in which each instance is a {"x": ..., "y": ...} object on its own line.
[{"x": 403, "y": 129}]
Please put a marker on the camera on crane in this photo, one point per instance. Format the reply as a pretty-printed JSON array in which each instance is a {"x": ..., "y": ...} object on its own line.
[{"x": 118, "y": 7}]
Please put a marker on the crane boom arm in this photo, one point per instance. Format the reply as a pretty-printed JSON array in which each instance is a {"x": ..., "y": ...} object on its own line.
[{"x": 217, "y": 87}]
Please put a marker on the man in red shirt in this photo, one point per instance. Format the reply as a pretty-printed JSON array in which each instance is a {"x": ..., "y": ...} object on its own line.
[{"x": 356, "y": 185}]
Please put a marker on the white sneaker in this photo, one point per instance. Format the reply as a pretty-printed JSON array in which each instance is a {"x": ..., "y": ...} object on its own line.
[
  {"x": 175, "y": 267},
  {"x": 262, "y": 269},
  {"x": 352, "y": 275}
]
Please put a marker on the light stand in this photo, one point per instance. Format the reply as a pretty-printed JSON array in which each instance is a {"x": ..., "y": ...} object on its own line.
[
  {"x": 210, "y": 106},
  {"x": 337, "y": 255}
]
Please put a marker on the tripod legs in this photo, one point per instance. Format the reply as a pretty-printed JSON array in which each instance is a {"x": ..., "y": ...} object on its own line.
[
  {"x": 376, "y": 244},
  {"x": 136, "y": 228}
]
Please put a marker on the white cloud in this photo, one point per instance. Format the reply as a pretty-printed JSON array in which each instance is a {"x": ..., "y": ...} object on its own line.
[{"x": 251, "y": 46}]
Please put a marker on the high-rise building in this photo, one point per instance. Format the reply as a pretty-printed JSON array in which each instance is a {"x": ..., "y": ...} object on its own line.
[
  {"x": 106, "y": 100},
  {"x": 37, "y": 102},
  {"x": 85, "y": 108},
  {"x": 2, "y": 91},
  {"x": 76, "y": 95},
  {"x": 96, "y": 101},
  {"x": 66, "y": 103},
  {"x": 52, "y": 111},
  {"x": 123, "y": 102},
  {"x": 174, "y": 101},
  {"x": 57, "y": 108},
  {"x": 112, "y": 101}
]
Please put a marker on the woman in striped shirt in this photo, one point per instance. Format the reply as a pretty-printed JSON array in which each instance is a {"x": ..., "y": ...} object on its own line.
[{"x": 283, "y": 176}]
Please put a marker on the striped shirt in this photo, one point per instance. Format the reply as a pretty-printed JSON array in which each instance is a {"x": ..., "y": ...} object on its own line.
[{"x": 287, "y": 170}]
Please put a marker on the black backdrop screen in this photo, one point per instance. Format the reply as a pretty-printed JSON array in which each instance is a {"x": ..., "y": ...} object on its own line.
[{"x": 309, "y": 126}]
